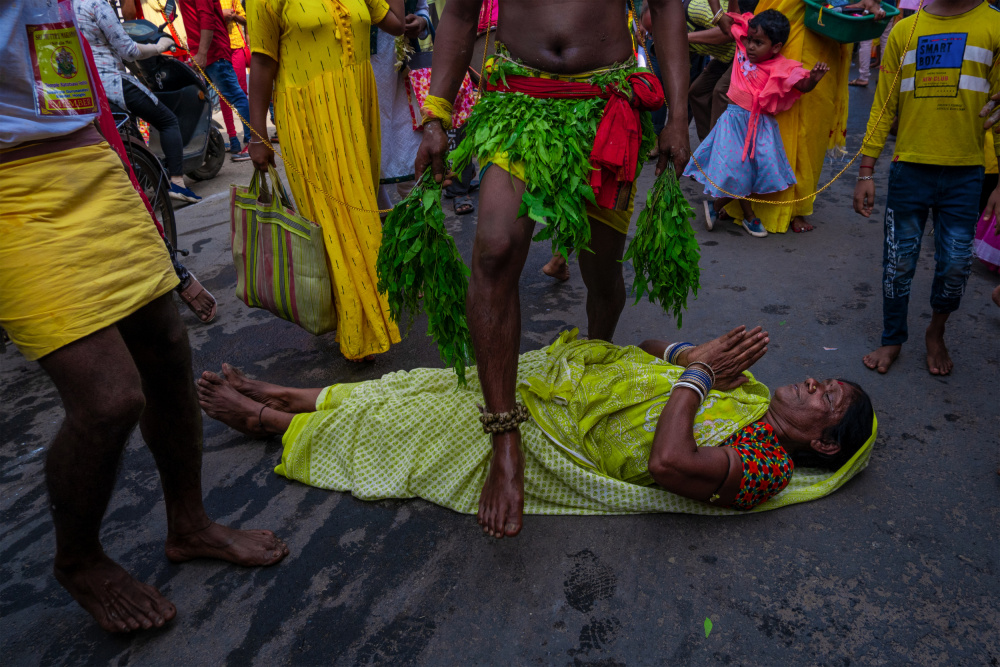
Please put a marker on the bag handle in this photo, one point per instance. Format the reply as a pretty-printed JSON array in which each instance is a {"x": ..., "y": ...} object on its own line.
[{"x": 259, "y": 189}]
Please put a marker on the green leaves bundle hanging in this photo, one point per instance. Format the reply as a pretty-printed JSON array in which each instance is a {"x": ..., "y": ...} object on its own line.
[
  {"x": 418, "y": 257},
  {"x": 664, "y": 252}
]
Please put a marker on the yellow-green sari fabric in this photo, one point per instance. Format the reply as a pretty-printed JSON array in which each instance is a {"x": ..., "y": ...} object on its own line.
[{"x": 416, "y": 434}]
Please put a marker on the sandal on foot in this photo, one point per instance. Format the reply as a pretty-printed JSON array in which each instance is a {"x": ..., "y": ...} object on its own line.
[
  {"x": 463, "y": 205},
  {"x": 858, "y": 82},
  {"x": 190, "y": 293}
]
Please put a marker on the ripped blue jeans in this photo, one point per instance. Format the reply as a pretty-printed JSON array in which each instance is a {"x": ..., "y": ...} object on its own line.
[{"x": 952, "y": 195}]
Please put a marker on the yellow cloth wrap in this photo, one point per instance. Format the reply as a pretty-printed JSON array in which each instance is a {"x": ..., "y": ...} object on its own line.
[
  {"x": 437, "y": 108},
  {"x": 616, "y": 220},
  {"x": 79, "y": 250},
  {"x": 814, "y": 125}
]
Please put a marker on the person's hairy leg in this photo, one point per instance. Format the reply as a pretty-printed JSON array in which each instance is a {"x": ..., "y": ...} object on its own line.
[
  {"x": 602, "y": 274},
  {"x": 882, "y": 358},
  {"x": 494, "y": 312},
  {"x": 938, "y": 359},
  {"x": 285, "y": 399},
  {"x": 171, "y": 427},
  {"x": 102, "y": 396}
]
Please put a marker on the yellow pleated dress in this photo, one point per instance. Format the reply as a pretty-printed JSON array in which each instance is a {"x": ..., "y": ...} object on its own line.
[
  {"x": 326, "y": 112},
  {"x": 815, "y": 124}
]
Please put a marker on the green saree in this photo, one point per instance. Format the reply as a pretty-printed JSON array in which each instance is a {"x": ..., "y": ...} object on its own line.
[{"x": 594, "y": 408}]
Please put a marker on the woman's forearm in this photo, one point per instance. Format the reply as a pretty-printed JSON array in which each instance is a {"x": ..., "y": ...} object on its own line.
[
  {"x": 263, "y": 70},
  {"x": 675, "y": 462},
  {"x": 394, "y": 20}
]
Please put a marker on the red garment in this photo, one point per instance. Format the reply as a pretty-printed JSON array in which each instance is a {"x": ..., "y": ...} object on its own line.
[
  {"x": 616, "y": 147},
  {"x": 488, "y": 22},
  {"x": 201, "y": 15},
  {"x": 761, "y": 87}
]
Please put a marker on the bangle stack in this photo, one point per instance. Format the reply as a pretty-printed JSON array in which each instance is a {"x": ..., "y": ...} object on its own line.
[
  {"x": 673, "y": 351},
  {"x": 718, "y": 15},
  {"x": 697, "y": 380}
]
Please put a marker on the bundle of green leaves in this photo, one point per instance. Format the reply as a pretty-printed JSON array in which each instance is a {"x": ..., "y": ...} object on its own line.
[
  {"x": 664, "y": 251},
  {"x": 418, "y": 261},
  {"x": 552, "y": 138}
]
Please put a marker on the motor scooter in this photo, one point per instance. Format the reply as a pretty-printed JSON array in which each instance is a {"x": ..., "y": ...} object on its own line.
[{"x": 182, "y": 90}]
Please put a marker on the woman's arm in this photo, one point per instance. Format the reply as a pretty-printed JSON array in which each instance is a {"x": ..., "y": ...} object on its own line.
[
  {"x": 710, "y": 36},
  {"x": 394, "y": 20},
  {"x": 676, "y": 462},
  {"x": 263, "y": 69}
]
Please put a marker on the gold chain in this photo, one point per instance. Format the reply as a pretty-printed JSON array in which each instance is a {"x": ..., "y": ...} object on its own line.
[{"x": 867, "y": 136}]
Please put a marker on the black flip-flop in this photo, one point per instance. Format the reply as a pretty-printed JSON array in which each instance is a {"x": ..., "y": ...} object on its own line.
[{"x": 463, "y": 205}]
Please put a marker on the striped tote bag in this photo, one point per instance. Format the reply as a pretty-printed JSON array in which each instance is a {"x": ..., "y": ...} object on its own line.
[{"x": 279, "y": 256}]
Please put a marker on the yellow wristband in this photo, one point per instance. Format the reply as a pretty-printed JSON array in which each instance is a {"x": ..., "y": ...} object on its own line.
[{"x": 436, "y": 108}]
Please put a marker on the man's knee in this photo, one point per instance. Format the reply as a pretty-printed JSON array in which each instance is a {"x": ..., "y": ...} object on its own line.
[
  {"x": 497, "y": 256},
  {"x": 108, "y": 413}
]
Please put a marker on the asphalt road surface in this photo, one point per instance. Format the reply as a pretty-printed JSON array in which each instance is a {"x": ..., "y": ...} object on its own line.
[{"x": 898, "y": 567}]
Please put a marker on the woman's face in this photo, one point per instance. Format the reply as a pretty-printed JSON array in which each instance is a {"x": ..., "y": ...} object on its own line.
[{"x": 809, "y": 408}]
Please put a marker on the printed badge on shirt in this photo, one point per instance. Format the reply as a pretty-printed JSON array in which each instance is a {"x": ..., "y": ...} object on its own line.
[
  {"x": 939, "y": 64},
  {"x": 62, "y": 80}
]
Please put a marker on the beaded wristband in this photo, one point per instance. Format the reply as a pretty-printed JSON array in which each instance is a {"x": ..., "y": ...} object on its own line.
[{"x": 673, "y": 351}]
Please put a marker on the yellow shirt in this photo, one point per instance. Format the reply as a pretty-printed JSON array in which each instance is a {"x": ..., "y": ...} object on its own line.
[
  {"x": 947, "y": 77},
  {"x": 235, "y": 29}
]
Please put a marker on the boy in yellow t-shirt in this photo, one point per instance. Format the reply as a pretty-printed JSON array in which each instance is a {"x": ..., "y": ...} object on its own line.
[{"x": 947, "y": 77}]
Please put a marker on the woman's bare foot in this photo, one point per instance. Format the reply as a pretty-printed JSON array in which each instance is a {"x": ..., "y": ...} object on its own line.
[
  {"x": 221, "y": 401},
  {"x": 557, "y": 268},
  {"x": 116, "y": 600},
  {"x": 502, "y": 501},
  {"x": 249, "y": 548},
  {"x": 266, "y": 393},
  {"x": 882, "y": 358},
  {"x": 800, "y": 225},
  {"x": 938, "y": 360}
]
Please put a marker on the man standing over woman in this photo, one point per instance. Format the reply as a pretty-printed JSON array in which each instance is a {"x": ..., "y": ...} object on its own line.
[{"x": 315, "y": 55}]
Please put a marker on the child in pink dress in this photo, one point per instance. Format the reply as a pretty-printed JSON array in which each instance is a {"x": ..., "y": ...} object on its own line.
[{"x": 743, "y": 154}]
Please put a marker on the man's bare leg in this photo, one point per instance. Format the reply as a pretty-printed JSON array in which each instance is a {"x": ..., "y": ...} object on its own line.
[
  {"x": 938, "y": 360},
  {"x": 557, "y": 267},
  {"x": 101, "y": 393},
  {"x": 494, "y": 311},
  {"x": 602, "y": 274},
  {"x": 171, "y": 427}
]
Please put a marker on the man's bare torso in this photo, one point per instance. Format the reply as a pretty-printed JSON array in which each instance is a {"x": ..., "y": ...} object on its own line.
[{"x": 565, "y": 36}]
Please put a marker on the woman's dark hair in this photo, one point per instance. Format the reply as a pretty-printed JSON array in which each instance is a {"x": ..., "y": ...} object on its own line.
[
  {"x": 851, "y": 432},
  {"x": 772, "y": 23},
  {"x": 747, "y": 6}
]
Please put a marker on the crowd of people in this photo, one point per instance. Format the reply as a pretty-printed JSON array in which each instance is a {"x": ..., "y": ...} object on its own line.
[{"x": 85, "y": 279}]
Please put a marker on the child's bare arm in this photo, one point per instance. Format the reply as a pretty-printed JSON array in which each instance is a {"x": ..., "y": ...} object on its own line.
[{"x": 818, "y": 71}]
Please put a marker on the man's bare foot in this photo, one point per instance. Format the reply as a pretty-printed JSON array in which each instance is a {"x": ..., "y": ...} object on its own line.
[
  {"x": 266, "y": 393},
  {"x": 249, "y": 548},
  {"x": 938, "y": 360},
  {"x": 799, "y": 225},
  {"x": 882, "y": 358},
  {"x": 221, "y": 401},
  {"x": 996, "y": 295},
  {"x": 557, "y": 268},
  {"x": 117, "y": 601},
  {"x": 502, "y": 500}
]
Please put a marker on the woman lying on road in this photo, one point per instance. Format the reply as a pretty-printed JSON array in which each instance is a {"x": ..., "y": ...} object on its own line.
[{"x": 612, "y": 430}]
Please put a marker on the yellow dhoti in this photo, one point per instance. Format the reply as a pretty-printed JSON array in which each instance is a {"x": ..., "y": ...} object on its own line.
[
  {"x": 78, "y": 250},
  {"x": 816, "y": 123}
]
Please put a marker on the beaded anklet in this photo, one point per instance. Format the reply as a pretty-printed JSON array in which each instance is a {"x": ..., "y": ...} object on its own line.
[{"x": 502, "y": 422}]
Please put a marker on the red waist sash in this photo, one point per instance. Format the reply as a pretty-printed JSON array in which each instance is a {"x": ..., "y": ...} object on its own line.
[{"x": 616, "y": 147}]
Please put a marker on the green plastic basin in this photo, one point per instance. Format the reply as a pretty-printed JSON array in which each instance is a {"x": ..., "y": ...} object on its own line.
[{"x": 845, "y": 28}]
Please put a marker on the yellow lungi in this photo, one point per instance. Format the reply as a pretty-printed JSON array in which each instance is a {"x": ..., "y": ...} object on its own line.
[{"x": 78, "y": 249}]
